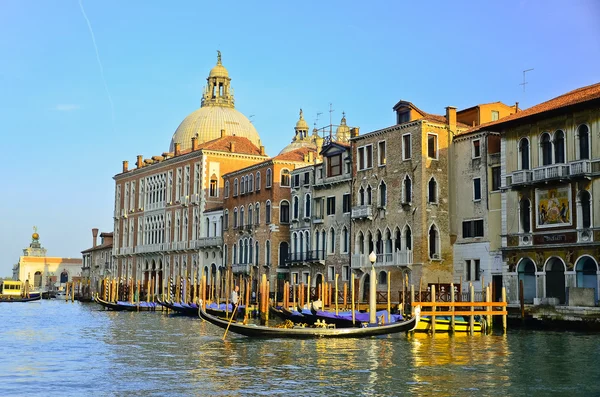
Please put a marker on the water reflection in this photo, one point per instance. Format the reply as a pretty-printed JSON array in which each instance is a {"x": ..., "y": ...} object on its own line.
[{"x": 77, "y": 349}]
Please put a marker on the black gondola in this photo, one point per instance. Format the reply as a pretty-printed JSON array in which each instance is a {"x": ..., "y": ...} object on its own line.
[
  {"x": 190, "y": 310},
  {"x": 258, "y": 331},
  {"x": 19, "y": 299},
  {"x": 126, "y": 306}
]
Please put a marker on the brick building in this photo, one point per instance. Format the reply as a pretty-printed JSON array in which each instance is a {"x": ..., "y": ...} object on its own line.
[{"x": 97, "y": 261}]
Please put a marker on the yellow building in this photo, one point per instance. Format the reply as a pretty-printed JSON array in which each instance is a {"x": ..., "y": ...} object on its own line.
[{"x": 45, "y": 272}]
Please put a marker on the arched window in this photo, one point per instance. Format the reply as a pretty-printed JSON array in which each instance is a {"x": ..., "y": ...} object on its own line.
[
  {"x": 583, "y": 138},
  {"x": 584, "y": 210},
  {"x": 524, "y": 154},
  {"x": 226, "y": 189},
  {"x": 234, "y": 256},
  {"x": 226, "y": 220},
  {"x": 369, "y": 195},
  {"x": 307, "y": 205},
  {"x": 284, "y": 212},
  {"x": 407, "y": 194},
  {"x": 360, "y": 245},
  {"x": 235, "y": 218},
  {"x": 258, "y": 180},
  {"x": 345, "y": 240},
  {"x": 250, "y": 183},
  {"x": 559, "y": 147},
  {"x": 256, "y": 253},
  {"x": 407, "y": 238},
  {"x": 361, "y": 196},
  {"x": 268, "y": 212},
  {"x": 434, "y": 237},
  {"x": 525, "y": 215},
  {"x": 257, "y": 213},
  {"x": 285, "y": 178},
  {"x": 235, "y": 187},
  {"x": 207, "y": 227},
  {"x": 331, "y": 241},
  {"x": 382, "y": 194},
  {"x": 243, "y": 185},
  {"x": 382, "y": 277},
  {"x": 432, "y": 191},
  {"x": 250, "y": 251},
  {"x": 242, "y": 216},
  {"x": 213, "y": 189},
  {"x": 269, "y": 180},
  {"x": 546, "y": 149},
  {"x": 296, "y": 207},
  {"x": 295, "y": 246},
  {"x": 250, "y": 218},
  {"x": 268, "y": 253}
]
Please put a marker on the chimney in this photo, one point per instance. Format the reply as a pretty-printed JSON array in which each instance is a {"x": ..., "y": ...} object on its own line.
[
  {"x": 305, "y": 157},
  {"x": 125, "y": 165},
  {"x": 451, "y": 118},
  {"x": 223, "y": 133},
  {"x": 177, "y": 146},
  {"x": 262, "y": 150},
  {"x": 516, "y": 107},
  {"x": 231, "y": 145},
  {"x": 194, "y": 143},
  {"x": 138, "y": 164},
  {"x": 354, "y": 132},
  {"x": 95, "y": 236},
  {"x": 310, "y": 157}
]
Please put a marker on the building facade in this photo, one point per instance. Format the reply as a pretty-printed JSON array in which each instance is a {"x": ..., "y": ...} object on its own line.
[
  {"x": 167, "y": 209},
  {"x": 97, "y": 262}
]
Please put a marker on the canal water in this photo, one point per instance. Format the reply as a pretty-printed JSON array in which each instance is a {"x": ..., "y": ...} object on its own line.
[{"x": 73, "y": 349}]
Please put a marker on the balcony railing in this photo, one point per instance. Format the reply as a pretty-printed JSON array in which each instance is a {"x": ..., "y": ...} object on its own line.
[
  {"x": 241, "y": 268},
  {"x": 317, "y": 219},
  {"x": 179, "y": 245},
  {"x": 580, "y": 167},
  {"x": 205, "y": 242},
  {"x": 398, "y": 258},
  {"x": 141, "y": 249},
  {"x": 521, "y": 177},
  {"x": 309, "y": 256},
  {"x": 552, "y": 171},
  {"x": 362, "y": 211}
]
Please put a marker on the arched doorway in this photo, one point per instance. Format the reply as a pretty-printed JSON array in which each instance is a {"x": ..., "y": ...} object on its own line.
[
  {"x": 587, "y": 277},
  {"x": 37, "y": 279},
  {"x": 64, "y": 277},
  {"x": 366, "y": 287},
  {"x": 318, "y": 283},
  {"x": 555, "y": 279},
  {"x": 526, "y": 271}
]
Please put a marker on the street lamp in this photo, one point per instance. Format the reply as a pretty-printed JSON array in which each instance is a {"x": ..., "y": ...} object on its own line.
[{"x": 372, "y": 292}]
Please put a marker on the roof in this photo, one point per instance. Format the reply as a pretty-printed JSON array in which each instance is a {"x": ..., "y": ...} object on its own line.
[
  {"x": 295, "y": 155},
  {"x": 571, "y": 98},
  {"x": 98, "y": 247},
  {"x": 243, "y": 145}
]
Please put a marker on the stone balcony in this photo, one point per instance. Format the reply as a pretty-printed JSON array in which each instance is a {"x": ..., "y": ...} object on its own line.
[
  {"x": 207, "y": 242},
  {"x": 398, "y": 258},
  {"x": 362, "y": 212}
]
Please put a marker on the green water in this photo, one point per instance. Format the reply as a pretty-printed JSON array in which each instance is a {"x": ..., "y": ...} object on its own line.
[{"x": 58, "y": 348}]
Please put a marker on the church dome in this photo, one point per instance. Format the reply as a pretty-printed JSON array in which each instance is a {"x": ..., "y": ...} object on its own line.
[
  {"x": 342, "y": 133},
  {"x": 216, "y": 113},
  {"x": 301, "y": 138},
  {"x": 206, "y": 124}
]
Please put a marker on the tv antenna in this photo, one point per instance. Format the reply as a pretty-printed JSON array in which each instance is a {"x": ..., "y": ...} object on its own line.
[
  {"x": 524, "y": 83},
  {"x": 331, "y": 110},
  {"x": 317, "y": 120}
]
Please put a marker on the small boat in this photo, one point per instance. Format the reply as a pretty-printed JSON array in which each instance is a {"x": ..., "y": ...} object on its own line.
[
  {"x": 126, "y": 306},
  {"x": 186, "y": 309},
  {"x": 443, "y": 324},
  {"x": 258, "y": 331},
  {"x": 341, "y": 320},
  {"x": 13, "y": 291}
]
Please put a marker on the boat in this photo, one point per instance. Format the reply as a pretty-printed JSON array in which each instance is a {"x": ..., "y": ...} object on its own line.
[
  {"x": 443, "y": 324},
  {"x": 12, "y": 291},
  {"x": 298, "y": 332},
  {"x": 186, "y": 309},
  {"x": 341, "y": 320},
  {"x": 126, "y": 306}
]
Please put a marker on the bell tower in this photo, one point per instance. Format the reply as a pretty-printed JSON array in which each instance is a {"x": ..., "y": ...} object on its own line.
[{"x": 218, "y": 91}]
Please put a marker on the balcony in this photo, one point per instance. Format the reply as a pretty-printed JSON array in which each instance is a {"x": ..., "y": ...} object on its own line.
[
  {"x": 580, "y": 168},
  {"x": 398, "y": 258},
  {"x": 317, "y": 219},
  {"x": 522, "y": 177},
  {"x": 241, "y": 268},
  {"x": 207, "y": 242},
  {"x": 142, "y": 249},
  {"x": 362, "y": 211},
  {"x": 309, "y": 256},
  {"x": 179, "y": 245},
  {"x": 552, "y": 171},
  {"x": 126, "y": 251}
]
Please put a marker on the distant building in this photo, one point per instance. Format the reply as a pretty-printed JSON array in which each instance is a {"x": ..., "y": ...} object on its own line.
[
  {"x": 45, "y": 272},
  {"x": 97, "y": 261}
]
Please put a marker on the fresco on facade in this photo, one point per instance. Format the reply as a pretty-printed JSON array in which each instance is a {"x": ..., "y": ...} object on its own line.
[{"x": 553, "y": 207}]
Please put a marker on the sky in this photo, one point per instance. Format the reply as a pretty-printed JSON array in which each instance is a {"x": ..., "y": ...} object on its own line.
[{"x": 87, "y": 84}]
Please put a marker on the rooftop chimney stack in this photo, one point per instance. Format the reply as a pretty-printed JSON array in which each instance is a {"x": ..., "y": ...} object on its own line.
[
  {"x": 138, "y": 163},
  {"x": 262, "y": 150},
  {"x": 194, "y": 144},
  {"x": 354, "y": 132},
  {"x": 177, "y": 149},
  {"x": 223, "y": 134},
  {"x": 516, "y": 107},
  {"x": 125, "y": 165},
  {"x": 451, "y": 118},
  {"x": 95, "y": 236},
  {"x": 231, "y": 146}
]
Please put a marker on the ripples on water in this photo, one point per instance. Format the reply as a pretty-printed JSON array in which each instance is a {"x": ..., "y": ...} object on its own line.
[{"x": 53, "y": 347}]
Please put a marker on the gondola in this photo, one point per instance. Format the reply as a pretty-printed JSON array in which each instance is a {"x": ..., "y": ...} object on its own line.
[
  {"x": 126, "y": 306},
  {"x": 341, "y": 320},
  {"x": 19, "y": 299},
  {"x": 186, "y": 309},
  {"x": 258, "y": 331}
]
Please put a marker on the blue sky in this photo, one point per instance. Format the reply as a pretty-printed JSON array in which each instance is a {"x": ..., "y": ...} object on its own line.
[{"x": 65, "y": 127}]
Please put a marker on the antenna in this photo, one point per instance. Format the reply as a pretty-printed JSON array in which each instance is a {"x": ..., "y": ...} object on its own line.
[
  {"x": 524, "y": 83},
  {"x": 330, "y": 121},
  {"x": 317, "y": 120}
]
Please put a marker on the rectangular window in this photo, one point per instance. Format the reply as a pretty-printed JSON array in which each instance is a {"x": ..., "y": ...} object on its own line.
[
  {"x": 306, "y": 178},
  {"x": 477, "y": 189},
  {"x": 330, "y": 205},
  {"x": 294, "y": 278},
  {"x": 495, "y": 115},
  {"x": 345, "y": 273},
  {"x": 319, "y": 203},
  {"x": 403, "y": 117},
  {"x": 432, "y": 146},
  {"x": 468, "y": 270},
  {"x": 296, "y": 180},
  {"x": 212, "y": 192},
  {"x": 477, "y": 269},
  {"x": 346, "y": 203},
  {"x": 473, "y": 228},
  {"x": 381, "y": 153},
  {"x": 361, "y": 158},
  {"x": 369, "y": 156},
  {"x": 406, "y": 147},
  {"x": 496, "y": 180},
  {"x": 331, "y": 273},
  {"x": 305, "y": 276},
  {"x": 476, "y": 149},
  {"x": 334, "y": 165}
]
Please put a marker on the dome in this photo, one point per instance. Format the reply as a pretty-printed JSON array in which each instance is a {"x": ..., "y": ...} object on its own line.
[
  {"x": 206, "y": 124},
  {"x": 301, "y": 138},
  {"x": 301, "y": 124},
  {"x": 342, "y": 133},
  {"x": 218, "y": 71}
]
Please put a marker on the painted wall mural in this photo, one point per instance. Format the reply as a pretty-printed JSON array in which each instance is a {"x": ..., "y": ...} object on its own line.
[{"x": 553, "y": 207}]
